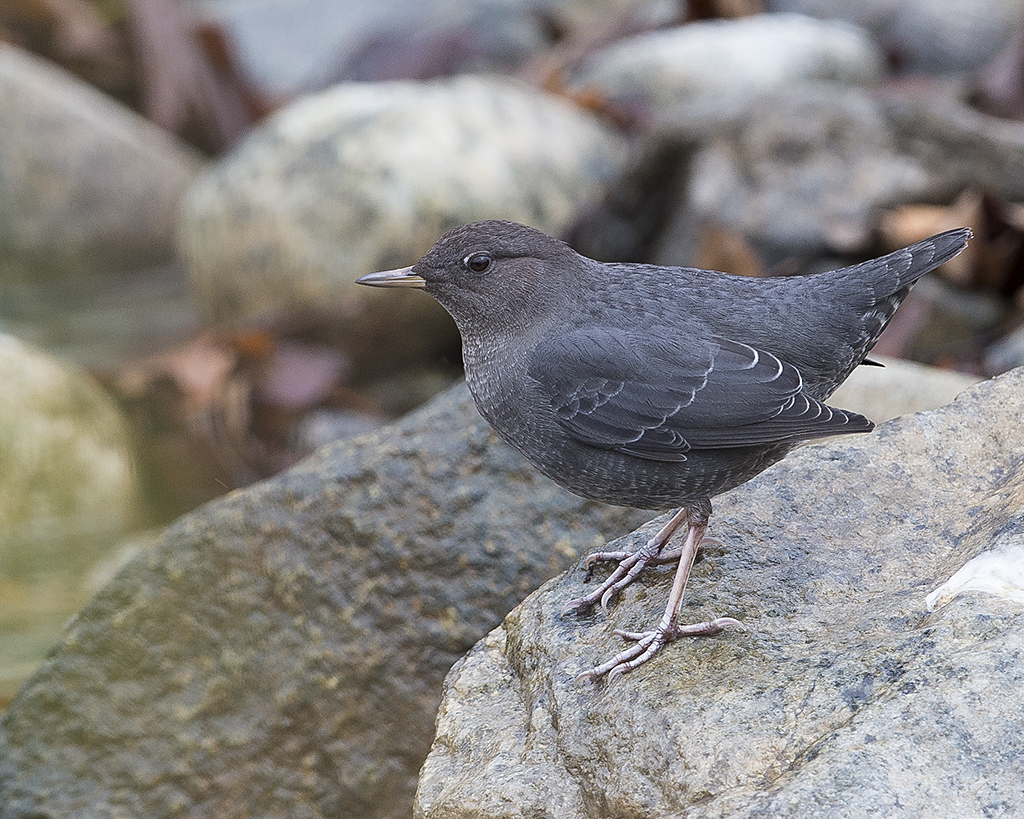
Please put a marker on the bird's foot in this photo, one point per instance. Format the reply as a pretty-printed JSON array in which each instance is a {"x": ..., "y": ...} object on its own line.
[
  {"x": 630, "y": 565},
  {"x": 649, "y": 643},
  {"x": 629, "y": 568},
  {"x": 663, "y": 557}
]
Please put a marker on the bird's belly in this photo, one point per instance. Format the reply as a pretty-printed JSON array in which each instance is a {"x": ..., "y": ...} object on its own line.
[
  {"x": 616, "y": 477},
  {"x": 607, "y": 475},
  {"x": 619, "y": 478}
]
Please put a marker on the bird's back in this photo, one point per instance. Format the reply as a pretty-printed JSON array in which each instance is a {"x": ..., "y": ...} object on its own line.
[
  {"x": 652, "y": 386},
  {"x": 824, "y": 323}
]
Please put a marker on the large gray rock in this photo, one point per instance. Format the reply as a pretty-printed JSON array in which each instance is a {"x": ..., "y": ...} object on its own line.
[
  {"x": 936, "y": 36},
  {"x": 807, "y": 170},
  {"x": 368, "y": 176},
  {"x": 724, "y": 57},
  {"x": 280, "y": 652},
  {"x": 65, "y": 451},
  {"x": 843, "y": 696},
  {"x": 86, "y": 185},
  {"x": 68, "y": 488},
  {"x": 898, "y": 388},
  {"x": 804, "y": 170}
]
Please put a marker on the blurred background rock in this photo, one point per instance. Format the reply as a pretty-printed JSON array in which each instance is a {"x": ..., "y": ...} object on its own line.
[{"x": 189, "y": 188}]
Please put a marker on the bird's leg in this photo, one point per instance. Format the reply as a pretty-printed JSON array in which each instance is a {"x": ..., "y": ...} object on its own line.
[
  {"x": 652, "y": 553},
  {"x": 649, "y": 643},
  {"x": 663, "y": 557}
]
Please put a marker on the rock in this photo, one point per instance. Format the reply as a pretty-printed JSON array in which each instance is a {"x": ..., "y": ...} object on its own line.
[
  {"x": 69, "y": 489},
  {"x": 898, "y": 388},
  {"x": 65, "y": 451},
  {"x": 1005, "y": 353},
  {"x": 280, "y": 652},
  {"x": 289, "y": 47},
  {"x": 935, "y": 36},
  {"x": 577, "y": 17},
  {"x": 806, "y": 171},
  {"x": 365, "y": 177},
  {"x": 842, "y": 696},
  {"x": 723, "y": 57},
  {"x": 87, "y": 185}
]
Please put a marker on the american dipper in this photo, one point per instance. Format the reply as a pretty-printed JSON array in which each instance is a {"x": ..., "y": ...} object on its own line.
[{"x": 656, "y": 387}]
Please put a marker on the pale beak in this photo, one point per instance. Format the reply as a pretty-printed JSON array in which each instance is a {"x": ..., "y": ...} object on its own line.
[{"x": 402, "y": 277}]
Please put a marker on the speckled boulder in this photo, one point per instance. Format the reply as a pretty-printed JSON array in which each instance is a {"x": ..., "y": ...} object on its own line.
[
  {"x": 807, "y": 170},
  {"x": 86, "y": 185},
  {"x": 368, "y": 176},
  {"x": 844, "y": 695},
  {"x": 280, "y": 652},
  {"x": 65, "y": 452}
]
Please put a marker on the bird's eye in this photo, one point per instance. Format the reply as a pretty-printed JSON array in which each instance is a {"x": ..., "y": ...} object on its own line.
[{"x": 478, "y": 262}]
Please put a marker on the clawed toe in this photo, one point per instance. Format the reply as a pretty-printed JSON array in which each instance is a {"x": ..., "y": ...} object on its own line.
[
  {"x": 706, "y": 629},
  {"x": 592, "y": 561},
  {"x": 630, "y": 565},
  {"x": 603, "y": 557},
  {"x": 627, "y": 570},
  {"x": 649, "y": 643},
  {"x": 574, "y": 605}
]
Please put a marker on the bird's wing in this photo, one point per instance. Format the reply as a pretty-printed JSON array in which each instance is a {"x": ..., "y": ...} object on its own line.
[{"x": 659, "y": 399}]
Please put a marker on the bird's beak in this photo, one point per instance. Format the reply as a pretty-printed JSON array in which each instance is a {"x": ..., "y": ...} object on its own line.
[{"x": 402, "y": 277}]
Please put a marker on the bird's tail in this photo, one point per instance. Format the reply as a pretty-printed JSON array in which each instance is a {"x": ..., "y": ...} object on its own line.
[
  {"x": 897, "y": 271},
  {"x": 880, "y": 285},
  {"x": 870, "y": 293}
]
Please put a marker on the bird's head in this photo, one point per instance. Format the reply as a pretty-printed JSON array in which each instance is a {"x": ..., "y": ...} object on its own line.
[{"x": 494, "y": 277}]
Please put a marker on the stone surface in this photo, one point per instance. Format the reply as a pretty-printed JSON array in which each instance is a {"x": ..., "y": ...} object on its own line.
[
  {"x": 65, "y": 450},
  {"x": 806, "y": 171},
  {"x": 898, "y": 388},
  {"x": 86, "y": 185},
  {"x": 289, "y": 47},
  {"x": 367, "y": 177},
  {"x": 843, "y": 695},
  {"x": 68, "y": 489},
  {"x": 724, "y": 57},
  {"x": 936, "y": 36},
  {"x": 280, "y": 652}
]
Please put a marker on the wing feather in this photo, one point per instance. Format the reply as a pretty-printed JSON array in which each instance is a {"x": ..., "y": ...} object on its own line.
[{"x": 663, "y": 398}]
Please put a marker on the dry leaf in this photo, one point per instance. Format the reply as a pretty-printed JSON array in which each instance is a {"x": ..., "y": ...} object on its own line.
[{"x": 994, "y": 259}]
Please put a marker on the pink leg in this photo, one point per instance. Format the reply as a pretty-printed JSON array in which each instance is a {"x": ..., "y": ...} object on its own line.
[
  {"x": 649, "y": 643},
  {"x": 630, "y": 565}
]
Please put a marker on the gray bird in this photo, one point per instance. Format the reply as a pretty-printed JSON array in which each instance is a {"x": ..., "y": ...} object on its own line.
[{"x": 656, "y": 387}]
